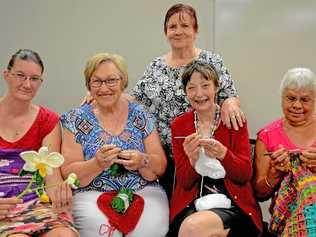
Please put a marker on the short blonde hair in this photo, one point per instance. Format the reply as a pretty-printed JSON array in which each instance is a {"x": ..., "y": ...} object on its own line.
[
  {"x": 95, "y": 61},
  {"x": 299, "y": 78}
]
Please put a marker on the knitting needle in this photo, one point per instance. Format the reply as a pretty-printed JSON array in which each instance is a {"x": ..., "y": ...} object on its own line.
[{"x": 290, "y": 151}]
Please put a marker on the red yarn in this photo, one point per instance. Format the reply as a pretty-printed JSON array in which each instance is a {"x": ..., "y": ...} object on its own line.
[{"x": 124, "y": 222}]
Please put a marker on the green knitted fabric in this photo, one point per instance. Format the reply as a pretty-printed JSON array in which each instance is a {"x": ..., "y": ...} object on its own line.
[{"x": 118, "y": 203}]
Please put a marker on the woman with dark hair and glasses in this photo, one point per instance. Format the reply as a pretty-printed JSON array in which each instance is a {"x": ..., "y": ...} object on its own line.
[
  {"x": 213, "y": 194},
  {"x": 26, "y": 126},
  {"x": 114, "y": 132}
]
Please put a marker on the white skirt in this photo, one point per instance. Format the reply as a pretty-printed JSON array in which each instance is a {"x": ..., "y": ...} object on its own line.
[{"x": 154, "y": 221}]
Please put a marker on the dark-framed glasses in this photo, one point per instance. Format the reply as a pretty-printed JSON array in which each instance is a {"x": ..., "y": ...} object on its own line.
[
  {"x": 20, "y": 76},
  {"x": 110, "y": 82}
]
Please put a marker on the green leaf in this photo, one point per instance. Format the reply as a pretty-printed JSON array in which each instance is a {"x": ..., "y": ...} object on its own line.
[
  {"x": 118, "y": 205},
  {"x": 24, "y": 172},
  {"x": 39, "y": 179},
  {"x": 77, "y": 183},
  {"x": 40, "y": 192},
  {"x": 128, "y": 192},
  {"x": 117, "y": 170}
]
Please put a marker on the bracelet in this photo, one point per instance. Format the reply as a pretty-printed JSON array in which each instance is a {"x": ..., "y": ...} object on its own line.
[{"x": 267, "y": 182}]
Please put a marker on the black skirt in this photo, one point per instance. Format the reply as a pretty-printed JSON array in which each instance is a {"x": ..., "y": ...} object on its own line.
[{"x": 233, "y": 218}]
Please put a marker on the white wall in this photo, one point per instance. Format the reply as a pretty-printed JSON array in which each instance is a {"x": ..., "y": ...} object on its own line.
[
  {"x": 67, "y": 32},
  {"x": 260, "y": 41}
]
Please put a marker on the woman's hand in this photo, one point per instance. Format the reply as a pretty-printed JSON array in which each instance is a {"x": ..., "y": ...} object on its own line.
[
  {"x": 61, "y": 197},
  {"x": 308, "y": 158},
  {"x": 231, "y": 113},
  {"x": 280, "y": 160},
  {"x": 107, "y": 155},
  {"x": 191, "y": 146},
  {"x": 132, "y": 159},
  {"x": 213, "y": 148},
  {"x": 6, "y": 204}
]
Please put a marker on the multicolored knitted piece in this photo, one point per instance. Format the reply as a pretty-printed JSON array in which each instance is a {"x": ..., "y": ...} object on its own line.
[{"x": 294, "y": 213}]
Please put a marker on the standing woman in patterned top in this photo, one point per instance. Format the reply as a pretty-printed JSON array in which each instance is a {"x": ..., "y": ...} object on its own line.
[
  {"x": 113, "y": 130},
  {"x": 160, "y": 88},
  {"x": 26, "y": 126}
]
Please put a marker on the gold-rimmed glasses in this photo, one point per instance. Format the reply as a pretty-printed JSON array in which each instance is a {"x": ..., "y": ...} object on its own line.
[{"x": 20, "y": 76}]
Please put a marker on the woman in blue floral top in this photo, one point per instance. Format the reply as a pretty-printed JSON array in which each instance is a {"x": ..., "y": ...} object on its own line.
[
  {"x": 160, "y": 88},
  {"x": 113, "y": 130}
]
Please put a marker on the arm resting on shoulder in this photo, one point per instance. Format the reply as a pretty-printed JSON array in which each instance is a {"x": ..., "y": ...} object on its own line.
[{"x": 231, "y": 113}]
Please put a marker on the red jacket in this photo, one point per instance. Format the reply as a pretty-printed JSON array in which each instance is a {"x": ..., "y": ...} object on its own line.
[{"x": 237, "y": 164}]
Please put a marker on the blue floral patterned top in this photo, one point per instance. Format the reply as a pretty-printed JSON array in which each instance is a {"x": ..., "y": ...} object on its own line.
[
  {"x": 83, "y": 123},
  {"x": 160, "y": 90}
]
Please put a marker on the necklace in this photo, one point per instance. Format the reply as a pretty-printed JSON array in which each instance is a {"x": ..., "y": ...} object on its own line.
[{"x": 214, "y": 124}]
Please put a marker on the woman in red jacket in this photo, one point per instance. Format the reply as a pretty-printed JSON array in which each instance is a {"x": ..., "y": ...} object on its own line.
[{"x": 213, "y": 195}]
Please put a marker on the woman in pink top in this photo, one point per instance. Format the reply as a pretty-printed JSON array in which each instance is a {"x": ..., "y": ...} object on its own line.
[{"x": 295, "y": 133}]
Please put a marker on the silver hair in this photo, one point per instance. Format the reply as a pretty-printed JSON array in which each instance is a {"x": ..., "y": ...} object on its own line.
[{"x": 299, "y": 78}]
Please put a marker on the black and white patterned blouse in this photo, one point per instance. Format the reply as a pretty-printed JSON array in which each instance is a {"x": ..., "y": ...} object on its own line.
[{"x": 161, "y": 90}]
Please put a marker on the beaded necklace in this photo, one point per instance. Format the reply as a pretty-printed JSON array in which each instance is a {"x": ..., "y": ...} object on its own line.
[{"x": 214, "y": 124}]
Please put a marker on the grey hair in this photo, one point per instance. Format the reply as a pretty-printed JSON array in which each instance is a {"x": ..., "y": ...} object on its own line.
[{"x": 299, "y": 78}]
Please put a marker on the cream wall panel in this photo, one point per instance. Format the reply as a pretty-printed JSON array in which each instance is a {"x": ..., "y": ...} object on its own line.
[
  {"x": 259, "y": 41},
  {"x": 67, "y": 32}
]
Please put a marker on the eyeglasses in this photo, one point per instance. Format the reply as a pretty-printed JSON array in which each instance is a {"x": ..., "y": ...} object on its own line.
[
  {"x": 110, "y": 82},
  {"x": 22, "y": 77},
  {"x": 294, "y": 99}
]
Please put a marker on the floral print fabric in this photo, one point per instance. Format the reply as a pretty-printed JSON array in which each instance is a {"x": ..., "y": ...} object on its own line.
[
  {"x": 161, "y": 90},
  {"x": 31, "y": 217},
  {"x": 34, "y": 218},
  {"x": 89, "y": 133}
]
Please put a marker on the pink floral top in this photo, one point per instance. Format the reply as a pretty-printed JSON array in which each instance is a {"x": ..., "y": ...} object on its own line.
[{"x": 273, "y": 135}]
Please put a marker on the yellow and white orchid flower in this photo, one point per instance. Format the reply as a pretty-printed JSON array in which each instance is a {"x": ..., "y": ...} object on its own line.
[
  {"x": 73, "y": 181},
  {"x": 43, "y": 161}
]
